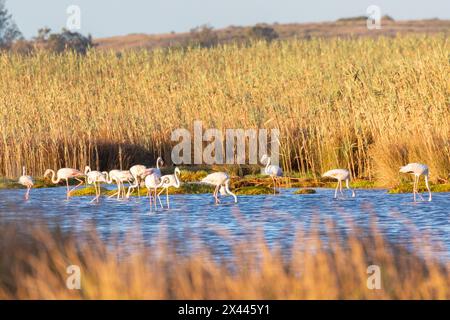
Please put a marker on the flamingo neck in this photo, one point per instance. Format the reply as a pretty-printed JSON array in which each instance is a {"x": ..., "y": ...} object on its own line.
[
  {"x": 177, "y": 179},
  {"x": 268, "y": 163},
  {"x": 157, "y": 163},
  {"x": 109, "y": 179},
  {"x": 23, "y": 171},
  {"x": 55, "y": 179},
  {"x": 161, "y": 183}
]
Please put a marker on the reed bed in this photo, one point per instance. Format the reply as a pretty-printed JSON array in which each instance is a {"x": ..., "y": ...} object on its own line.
[
  {"x": 369, "y": 105},
  {"x": 33, "y": 264}
]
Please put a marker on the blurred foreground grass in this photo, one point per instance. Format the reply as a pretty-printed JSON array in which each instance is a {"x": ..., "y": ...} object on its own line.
[{"x": 33, "y": 263}]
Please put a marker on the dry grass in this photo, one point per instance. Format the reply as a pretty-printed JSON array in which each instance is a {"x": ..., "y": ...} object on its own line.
[
  {"x": 369, "y": 105},
  {"x": 33, "y": 266}
]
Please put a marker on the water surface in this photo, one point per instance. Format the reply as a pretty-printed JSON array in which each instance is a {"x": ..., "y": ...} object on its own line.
[{"x": 194, "y": 220}]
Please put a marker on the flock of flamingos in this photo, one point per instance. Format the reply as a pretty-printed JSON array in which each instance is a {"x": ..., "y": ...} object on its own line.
[{"x": 153, "y": 180}]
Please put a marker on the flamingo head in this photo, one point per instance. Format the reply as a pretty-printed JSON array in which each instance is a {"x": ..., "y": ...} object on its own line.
[
  {"x": 47, "y": 172},
  {"x": 264, "y": 159}
]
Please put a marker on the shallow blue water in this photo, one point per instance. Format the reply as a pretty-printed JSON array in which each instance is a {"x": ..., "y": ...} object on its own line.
[{"x": 194, "y": 220}]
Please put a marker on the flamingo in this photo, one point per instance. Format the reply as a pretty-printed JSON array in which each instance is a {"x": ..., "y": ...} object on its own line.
[
  {"x": 95, "y": 178},
  {"x": 221, "y": 181},
  {"x": 138, "y": 172},
  {"x": 170, "y": 180},
  {"x": 340, "y": 175},
  {"x": 417, "y": 170},
  {"x": 273, "y": 171},
  {"x": 65, "y": 174},
  {"x": 26, "y": 181},
  {"x": 119, "y": 177},
  {"x": 154, "y": 181}
]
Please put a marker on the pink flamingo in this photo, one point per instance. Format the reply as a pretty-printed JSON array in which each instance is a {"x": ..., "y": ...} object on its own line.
[
  {"x": 95, "y": 178},
  {"x": 119, "y": 177},
  {"x": 417, "y": 170},
  {"x": 26, "y": 181},
  {"x": 153, "y": 181},
  {"x": 273, "y": 171},
  {"x": 65, "y": 174},
  {"x": 340, "y": 175},
  {"x": 138, "y": 172},
  {"x": 170, "y": 180},
  {"x": 221, "y": 181}
]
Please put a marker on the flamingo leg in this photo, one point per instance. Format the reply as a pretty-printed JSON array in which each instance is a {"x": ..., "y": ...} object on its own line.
[
  {"x": 167, "y": 195},
  {"x": 150, "y": 198},
  {"x": 95, "y": 198},
  {"x": 123, "y": 190},
  {"x": 130, "y": 187},
  {"x": 336, "y": 191},
  {"x": 119, "y": 189},
  {"x": 113, "y": 195},
  {"x": 99, "y": 192},
  {"x": 215, "y": 194},
  {"x": 347, "y": 182},
  {"x": 139, "y": 186},
  {"x": 274, "y": 186},
  {"x": 420, "y": 194},
  {"x": 68, "y": 191},
  {"x": 428, "y": 188},
  {"x": 414, "y": 188},
  {"x": 77, "y": 186},
  {"x": 27, "y": 194},
  {"x": 167, "y": 198},
  {"x": 159, "y": 199},
  {"x": 155, "y": 197},
  {"x": 340, "y": 188}
]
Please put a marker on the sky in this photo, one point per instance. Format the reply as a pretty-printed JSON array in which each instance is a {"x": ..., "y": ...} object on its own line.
[{"x": 104, "y": 18}]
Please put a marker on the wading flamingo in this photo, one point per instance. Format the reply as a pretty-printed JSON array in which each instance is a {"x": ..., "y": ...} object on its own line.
[
  {"x": 152, "y": 182},
  {"x": 142, "y": 172},
  {"x": 340, "y": 175},
  {"x": 221, "y": 181},
  {"x": 65, "y": 174},
  {"x": 170, "y": 180},
  {"x": 119, "y": 177},
  {"x": 417, "y": 170},
  {"x": 95, "y": 178},
  {"x": 139, "y": 173},
  {"x": 26, "y": 181},
  {"x": 273, "y": 171}
]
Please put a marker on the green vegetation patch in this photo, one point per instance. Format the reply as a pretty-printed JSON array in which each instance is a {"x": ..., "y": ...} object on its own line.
[
  {"x": 254, "y": 190},
  {"x": 193, "y": 176},
  {"x": 185, "y": 188},
  {"x": 88, "y": 191},
  {"x": 408, "y": 188},
  {"x": 305, "y": 191}
]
